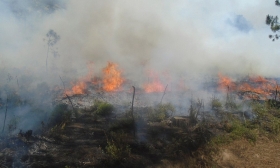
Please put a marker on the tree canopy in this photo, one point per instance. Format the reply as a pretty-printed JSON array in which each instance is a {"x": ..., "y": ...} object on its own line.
[{"x": 272, "y": 21}]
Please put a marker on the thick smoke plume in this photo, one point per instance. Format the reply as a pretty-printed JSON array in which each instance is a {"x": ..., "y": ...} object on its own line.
[
  {"x": 181, "y": 37},
  {"x": 180, "y": 40}
]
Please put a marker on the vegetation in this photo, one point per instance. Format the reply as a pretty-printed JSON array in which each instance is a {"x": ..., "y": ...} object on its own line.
[
  {"x": 101, "y": 108},
  {"x": 195, "y": 110},
  {"x": 60, "y": 115},
  {"x": 272, "y": 21},
  {"x": 161, "y": 112},
  {"x": 117, "y": 147},
  {"x": 155, "y": 137},
  {"x": 216, "y": 104},
  {"x": 123, "y": 124}
]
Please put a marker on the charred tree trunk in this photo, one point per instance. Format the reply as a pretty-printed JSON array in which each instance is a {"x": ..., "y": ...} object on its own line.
[
  {"x": 73, "y": 109},
  {"x": 5, "y": 115},
  {"x": 47, "y": 58},
  {"x": 70, "y": 103},
  {"x": 276, "y": 92},
  {"x": 163, "y": 94},
  {"x": 134, "y": 126}
]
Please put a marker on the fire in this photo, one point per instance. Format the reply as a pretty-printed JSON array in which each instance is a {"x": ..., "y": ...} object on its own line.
[
  {"x": 90, "y": 73},
  {"x": 112, "y": 78},
  {"x": 258, "y": 79},
  {"x": 79, "y": 88},
  {"x": 225, "y": 82},
  {"x": 252, "y": 87},
  {"x": 155, "y": 85}
]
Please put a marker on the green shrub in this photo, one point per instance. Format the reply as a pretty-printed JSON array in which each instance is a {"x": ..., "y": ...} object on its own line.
[
  {"x": 60, "y": 114},
  {"x": 216, "y": 104},
  {"x": 102, "y": 108},
  {"x": 235, "y": 130},
  {"x": 231, "y": 103},
  {"x": 161, "y": 112},
  {"x": 266, "y": 118},
  {"x": 117, "y": 148},
  {"x": 240, "y": 130}
]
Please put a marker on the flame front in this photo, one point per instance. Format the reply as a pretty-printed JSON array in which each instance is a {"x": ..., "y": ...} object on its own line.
[
  {"x": 155, "y": 85},
  {"x": 225, "y": 82},
  {"x": 78, "y": 88},
  {"x": 112, "y": 78},
  {"x": 252, "y": 87}
]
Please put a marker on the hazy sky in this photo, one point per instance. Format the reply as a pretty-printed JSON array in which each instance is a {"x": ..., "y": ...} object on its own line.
[{"x": 178, "y": 36}]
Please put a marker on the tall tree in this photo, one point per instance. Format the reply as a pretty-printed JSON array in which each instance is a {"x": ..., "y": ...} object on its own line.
[
  {"x": 53, "y": 38},
  {"x": 272, "y": 21}
]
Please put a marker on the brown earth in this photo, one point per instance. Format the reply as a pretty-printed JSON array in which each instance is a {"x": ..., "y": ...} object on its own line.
[
  {"x": 82, "y": 144},
  {"x": 241, "y": 153}
]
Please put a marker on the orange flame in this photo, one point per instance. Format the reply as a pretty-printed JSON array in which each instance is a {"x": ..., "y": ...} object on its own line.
[
  {"x": 155, "y": 85},
  {"x": 79, "y": 88},
  {"x": 259, "y": 87},
  {"x": 112, "y": 79},
  {"x": 225, "y": 82}
]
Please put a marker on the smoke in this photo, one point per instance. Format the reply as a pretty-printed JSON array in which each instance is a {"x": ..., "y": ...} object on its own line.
[
  {"x": 179, "y": 36},
  {"x": 187, "y": 40}
]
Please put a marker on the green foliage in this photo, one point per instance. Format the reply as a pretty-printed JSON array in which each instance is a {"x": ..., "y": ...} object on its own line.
[
  {"x": 161, "y": 112},
  {"x": 272, "y": 21},
  {"x": 102, "y": 108},
  {"x": 241, "y": 130},
  {"x": 267, "y": 118},
  {"x": 60, "y": 114},
  {"x": 235, "y": 130},
  {"x": 216, "y": 104},
  {"x": 230, "y": 103},
  {"x": 117, "y": 149}
]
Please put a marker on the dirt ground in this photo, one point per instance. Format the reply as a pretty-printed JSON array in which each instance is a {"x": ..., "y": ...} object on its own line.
[
  {"x": 241, "y": 153},
  {"x": 82, "y": 142}
]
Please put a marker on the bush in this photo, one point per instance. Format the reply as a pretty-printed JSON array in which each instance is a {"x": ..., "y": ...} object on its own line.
[
  {"x": 60, "y": 114},
  {"x": 230, "y": 103},
  {"x": 195, "y": 110},
  {"x": 240, "y": 130},
  {"x": 235, "y": 130},
  {"x": 161, "y": 112},
  {"x": 117, "y": 149},
  {"x": 266, "y": 118},
  {"x": 216, "y": 104},
  {"x": 102, "y": 108}
]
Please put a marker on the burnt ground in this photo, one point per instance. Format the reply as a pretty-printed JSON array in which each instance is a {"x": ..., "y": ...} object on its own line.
[{"x": 83, "y": 142}]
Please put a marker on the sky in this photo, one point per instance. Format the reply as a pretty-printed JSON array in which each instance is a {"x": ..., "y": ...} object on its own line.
[{"x": 181, "y": 37}]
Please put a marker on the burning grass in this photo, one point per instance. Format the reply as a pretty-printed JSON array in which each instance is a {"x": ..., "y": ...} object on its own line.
[{"x": 116, "y": 138}]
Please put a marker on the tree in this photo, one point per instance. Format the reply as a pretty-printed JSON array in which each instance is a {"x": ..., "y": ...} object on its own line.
[
  {"x": 272, "y": 21},
  {"x": 53, "y": 38}
]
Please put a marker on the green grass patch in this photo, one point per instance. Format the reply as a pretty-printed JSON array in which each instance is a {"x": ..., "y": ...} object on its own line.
[
  {"x": 102, "y": 108},
  {"x": 234, "y": 131}
]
